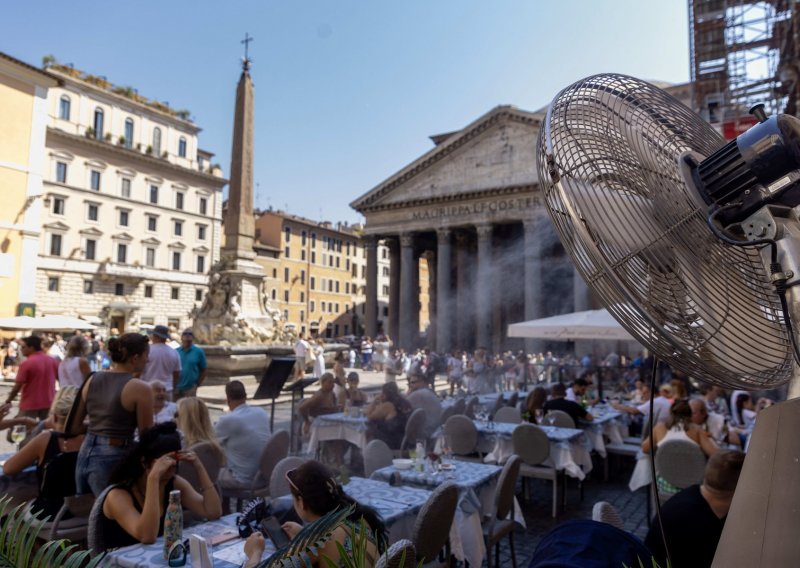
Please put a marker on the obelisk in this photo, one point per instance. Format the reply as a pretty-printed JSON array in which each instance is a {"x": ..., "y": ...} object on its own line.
[{"x": 236, "y": 310}]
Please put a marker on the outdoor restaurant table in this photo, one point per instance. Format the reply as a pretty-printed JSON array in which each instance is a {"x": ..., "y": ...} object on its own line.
[
  {"x": 397, "y": 505},
  {"x": 22, "y": 487},
  {"x": 608, "y": 422},
  {"x": 488, "y": 399},
  {"x": 226, "y": 555},
  {"x": 476, "y": 483},
  {"x": 337, "y": 426},
  {"x": 569, "y": 447}
]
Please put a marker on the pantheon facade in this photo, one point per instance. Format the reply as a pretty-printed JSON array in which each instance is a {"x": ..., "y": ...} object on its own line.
[{"x": 471, "y": 207}]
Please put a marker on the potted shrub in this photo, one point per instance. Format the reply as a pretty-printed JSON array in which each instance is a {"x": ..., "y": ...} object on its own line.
[
  {"x": 121, "y": 141},
  {"x": 149, "y": 150},
  {"x": 89, "y": 132}
]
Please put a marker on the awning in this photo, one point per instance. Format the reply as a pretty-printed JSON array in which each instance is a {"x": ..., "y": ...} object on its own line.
[{"x": 591, "y": 324}]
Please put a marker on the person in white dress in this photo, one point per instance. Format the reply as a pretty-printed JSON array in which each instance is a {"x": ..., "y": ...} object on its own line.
[{"x": 319, "y": 358}]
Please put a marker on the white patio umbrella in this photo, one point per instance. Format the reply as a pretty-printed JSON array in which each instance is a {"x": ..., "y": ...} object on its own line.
[
  {"x": 45, "y": 323},
  {"x": 591, "y": 324}
]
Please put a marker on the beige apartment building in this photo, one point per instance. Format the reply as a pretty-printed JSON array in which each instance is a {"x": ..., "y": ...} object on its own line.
[
  {"x": 132, "y": 208},
  {"x": 23, "y": 122}
]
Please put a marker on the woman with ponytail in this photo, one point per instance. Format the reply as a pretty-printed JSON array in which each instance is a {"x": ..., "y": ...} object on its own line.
[
  {"x": 315, "y": 492},
  {"x": 133, "y": 511},
  {"x": 116, "y": 405}
]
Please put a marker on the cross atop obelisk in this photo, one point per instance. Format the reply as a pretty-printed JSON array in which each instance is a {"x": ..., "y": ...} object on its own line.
[{"x": 239, "y": 223}]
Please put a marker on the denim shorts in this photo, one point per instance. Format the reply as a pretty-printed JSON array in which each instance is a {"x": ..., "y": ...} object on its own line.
[{"x": 97, "y": 459}]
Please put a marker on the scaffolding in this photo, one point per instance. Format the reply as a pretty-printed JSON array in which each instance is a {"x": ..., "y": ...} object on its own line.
[{"x": 743, "y": 53}]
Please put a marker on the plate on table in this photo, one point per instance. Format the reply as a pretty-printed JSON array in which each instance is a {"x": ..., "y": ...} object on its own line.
[
  {"x": 447, "y": 467},
  {"x": 402, "y": 463}
]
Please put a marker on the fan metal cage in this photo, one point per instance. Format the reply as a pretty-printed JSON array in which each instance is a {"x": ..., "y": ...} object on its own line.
[{"x": 609, "y": 161}]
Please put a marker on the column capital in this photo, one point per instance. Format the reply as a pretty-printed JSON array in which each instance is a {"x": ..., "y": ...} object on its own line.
[
  {"x": 407, "y": 239},
  {"x": 484, "y": 231},
  {"x": 370, "y": 241},
  {"x": 444, "y": 234}
]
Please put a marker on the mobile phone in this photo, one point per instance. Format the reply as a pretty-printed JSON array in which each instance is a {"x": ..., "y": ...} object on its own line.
[{"x": 271, "y": 527}]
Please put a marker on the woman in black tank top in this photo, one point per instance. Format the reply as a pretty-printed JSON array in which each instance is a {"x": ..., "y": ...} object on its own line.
[{"x": 133, "y": 509}]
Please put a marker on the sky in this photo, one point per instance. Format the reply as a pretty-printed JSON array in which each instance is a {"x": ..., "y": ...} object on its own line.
[{"x": 348, "y": 91}]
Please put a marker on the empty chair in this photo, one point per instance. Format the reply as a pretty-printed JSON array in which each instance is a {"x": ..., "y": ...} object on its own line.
[
  {"x": 276, "y": 448},
  {"x": 461, "y": 436},
  {"x": 376, "y": 456},
  {"x": 498, "y": 404},
  {"x": 604, "y": 512},
  {"x": 278, "y": 485},
  {"x": 414, "y": 426},
  {"x": 513, "y": 399},
  {"x": 472, "y": 405},
  {"x": 71, "y": 521},
  {"x": 460, "y": 406},
  {"x": 498, "y": 525},
  {"x": 508, "y": 414},
  {"x": 432, "y": 527},
  {"x": 560, "y": 419},
  {"x": 532, "y": 446},
  {"x": 448, "y": 412},
  {"x": 680, "y": 464},
  {"x": 401, "y": 554}
]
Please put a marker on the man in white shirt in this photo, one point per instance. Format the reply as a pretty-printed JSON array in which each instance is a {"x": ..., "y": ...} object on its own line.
[
  {"x": 420, "y": 396},
  {"x": 163, "y": 362},
  {"x": 243, "y": 432},
  {"x": 661, "y": 405},
  {"x": 577, "y": 390},
  {"x": 301, "y": 348}
]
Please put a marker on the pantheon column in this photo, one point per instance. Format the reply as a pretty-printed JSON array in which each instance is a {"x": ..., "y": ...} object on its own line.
[
  {"x": 483, "y": 301},
  {"x": 534, "y": 283},
  {"x": 394, "y": 288},
  {"x": 371, "y": 307},
  {"x": 581, "y": 292},
  {"x": 444, "y": 303},
  {"x": 409, "y": 292},
  {"x": 465, "y": 297}
]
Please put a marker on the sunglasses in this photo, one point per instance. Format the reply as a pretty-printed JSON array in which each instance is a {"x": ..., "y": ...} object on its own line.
[
  {"x": 291, "y": 483},
  {"x": 177, "y": 553}
]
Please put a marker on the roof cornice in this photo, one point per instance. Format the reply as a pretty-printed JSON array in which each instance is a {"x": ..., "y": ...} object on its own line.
[
  {"x": 136, "y": 156},
  {"x": 458, "y": 197},
  {"x": 502, "y": 113}
]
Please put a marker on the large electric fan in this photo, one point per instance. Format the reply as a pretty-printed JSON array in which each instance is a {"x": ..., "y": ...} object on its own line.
[{"x": 692, "y": 244}]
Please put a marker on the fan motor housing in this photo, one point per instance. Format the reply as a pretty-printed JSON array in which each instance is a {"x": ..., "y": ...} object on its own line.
[{"x": 760, "y": 167}]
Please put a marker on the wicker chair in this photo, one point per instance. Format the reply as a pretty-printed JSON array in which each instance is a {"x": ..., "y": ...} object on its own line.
[
  {"x": 533, "y": 448},
  {"x": 276, "y": 448},
  {"x": 508, "y": 414},
  {"x": 460, "y": 406},
  {"x": 604, "y": 512},
  {"x": 498, "y": 525},
  {"x": 376, "y": 455},
  {"x": 400, "y": 555},
  {"x": 95, "y": 536},
  {"x": 498, "y": 404},
  {"x": 278, "y": 486},
  {"x": 414, "y": 426},
  {"x": 469, "y": 409},
  {"x": 513, "y": 399},
  {"x": 75, "y": 527},
  {"x": 461, "y": 436},
  {"x": 679, "y": 463},
  {"x": 448, "y": 412},
  {"x": 561, "y": 419},
  {"x": 210, "y": 460},
  {"x": 432, "y": 527}
]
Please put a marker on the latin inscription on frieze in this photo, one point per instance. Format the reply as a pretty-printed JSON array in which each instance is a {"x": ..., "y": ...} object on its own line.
[{"x": 468, "y": 209}]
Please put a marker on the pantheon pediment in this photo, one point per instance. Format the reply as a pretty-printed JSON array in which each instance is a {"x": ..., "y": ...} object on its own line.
[{"x": 496, "y": 151}]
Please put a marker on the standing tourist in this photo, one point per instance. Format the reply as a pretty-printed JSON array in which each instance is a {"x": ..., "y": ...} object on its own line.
[
  {"x": 301, "y": 348},
  {"x": 75, "y": 367},
  {"x": 116, "y": 405},
  {"x": 319, "y": 357},
  {"x": 193, "y": 366},
  {"x": 36, "y": 378},
  {"x": 163, "y": 362},
  {"x": 366, "y": 354},
  {"x": 393, "y": 367},
  {"x": 455, "y": 371}
]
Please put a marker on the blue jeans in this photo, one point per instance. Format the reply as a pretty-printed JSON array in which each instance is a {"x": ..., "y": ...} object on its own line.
[{"x": 97, "y": 459}]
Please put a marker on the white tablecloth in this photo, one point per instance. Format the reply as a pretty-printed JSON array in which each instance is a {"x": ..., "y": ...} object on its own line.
[
  {"x": 607, "y": 422},
  {"x": 338, "y": 427}
]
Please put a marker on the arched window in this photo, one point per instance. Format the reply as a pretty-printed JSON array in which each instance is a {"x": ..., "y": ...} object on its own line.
[
  {"x": 98, "y": 123},
  {"x": 64, "y": 108},
  {"x": 182, "y": 147},
  {"x": 128, "y": 132},
  {"x": 157, "y": 141}
]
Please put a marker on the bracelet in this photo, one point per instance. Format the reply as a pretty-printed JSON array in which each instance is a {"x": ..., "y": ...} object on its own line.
[{"x": 204, "y": 489}]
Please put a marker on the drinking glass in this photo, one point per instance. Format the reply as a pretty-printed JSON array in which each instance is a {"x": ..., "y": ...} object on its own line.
[
  {"x": 18, "y": 434},
  {"x": 550, "y": 419},
  {"x": 538, "y": 414}
]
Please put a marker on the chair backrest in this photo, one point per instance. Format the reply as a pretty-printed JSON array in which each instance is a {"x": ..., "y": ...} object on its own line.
[
  {"x": 377, "y": 454},
  {"x": 461, "y": 435},
  {"x": 460, "y": 406},
  {"x": 504, "y": 492},
  {"x": 414, "y": 426},
  {"x": 562, "y": 419},
  {"x": 680, "y": 463},
  {"x": 434, "y": 519},
  {"x": 278, "y": 486},
  {"x": 211, "y": 461},
  {"x": 513, "y": 399},
  {"x": 95, "y": 536},
  {"x": 448, "y": 412},
  {"x": 498, "y": 404},
  {"x": 276, "y": 448},
  {"x": 521, "y": 406},
  {"x": 530, "y": 444},
  {"x": 508, "y": 414},
  {"x": 469, "y": 409},
  {"x": 80, "y": 505},
  {"x": 401, "y": 554},
  {"x": 604, "y": 512}
]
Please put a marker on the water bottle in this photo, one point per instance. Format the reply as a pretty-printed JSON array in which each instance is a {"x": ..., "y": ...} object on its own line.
[
  {"x": 173, "y": 522},
  {"x": 420, "y": 457}
]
